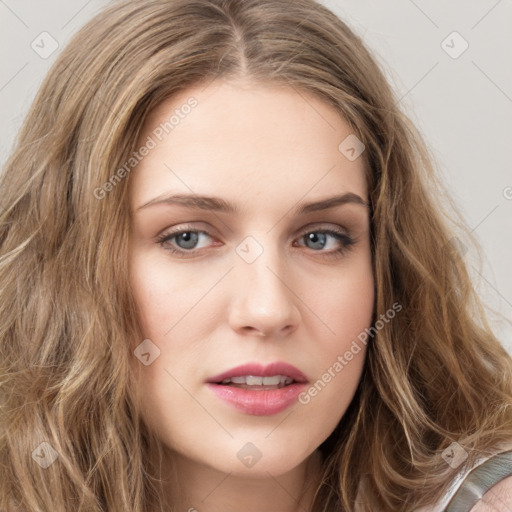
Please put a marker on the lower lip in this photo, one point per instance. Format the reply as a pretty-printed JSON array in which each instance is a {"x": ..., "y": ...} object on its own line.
[{"x": 259, "y": 402}]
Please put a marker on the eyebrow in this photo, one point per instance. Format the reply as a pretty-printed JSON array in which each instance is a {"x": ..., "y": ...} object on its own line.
[{"x": 217, "y": 204}]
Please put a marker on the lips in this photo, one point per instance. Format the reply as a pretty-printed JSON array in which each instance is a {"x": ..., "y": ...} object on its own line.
[{"x": 259, "y": 390}]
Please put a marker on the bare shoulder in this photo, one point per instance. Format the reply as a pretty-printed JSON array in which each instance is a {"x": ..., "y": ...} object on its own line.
[{"x": 497, "y": 499}]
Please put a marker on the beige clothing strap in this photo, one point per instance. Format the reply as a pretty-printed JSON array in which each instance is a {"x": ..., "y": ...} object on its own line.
[{"x": 479, "y": 481}]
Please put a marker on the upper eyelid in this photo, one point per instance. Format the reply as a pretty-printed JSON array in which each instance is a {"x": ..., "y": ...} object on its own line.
[{"x": 319, "y": 226}]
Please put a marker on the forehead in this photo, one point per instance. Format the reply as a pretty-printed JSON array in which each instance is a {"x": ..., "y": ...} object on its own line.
[{"x": 247, "y": 142}]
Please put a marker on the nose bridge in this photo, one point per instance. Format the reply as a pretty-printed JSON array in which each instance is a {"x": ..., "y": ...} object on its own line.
[
  {"x": 261, "y": 267},
  {"x": 264, "y": 300}
]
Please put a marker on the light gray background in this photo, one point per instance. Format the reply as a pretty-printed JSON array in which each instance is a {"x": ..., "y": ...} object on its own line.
[{"x": 462, "y": 105}]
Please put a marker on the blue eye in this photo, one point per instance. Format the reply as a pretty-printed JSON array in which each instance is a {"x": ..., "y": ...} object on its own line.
[
  {"x": 183, "y": 242},
  {"x": 190, "y": 239},
  {"x": 319, "y": 239}
]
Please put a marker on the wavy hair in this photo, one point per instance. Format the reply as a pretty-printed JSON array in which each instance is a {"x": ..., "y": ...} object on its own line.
[{"x": 434, "y": 375}]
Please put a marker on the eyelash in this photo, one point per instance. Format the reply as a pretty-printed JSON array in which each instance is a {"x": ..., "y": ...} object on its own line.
[{"x": 346, "y": 241}]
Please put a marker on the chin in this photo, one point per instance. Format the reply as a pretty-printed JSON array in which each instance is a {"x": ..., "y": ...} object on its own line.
[{"x": 259, "y": 459}]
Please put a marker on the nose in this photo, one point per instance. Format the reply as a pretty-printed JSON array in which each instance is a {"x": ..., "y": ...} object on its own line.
[{"x": 264, "y": 302}]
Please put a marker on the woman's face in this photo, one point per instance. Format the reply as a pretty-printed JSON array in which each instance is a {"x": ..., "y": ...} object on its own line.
[{"x": 268, "y": 277}]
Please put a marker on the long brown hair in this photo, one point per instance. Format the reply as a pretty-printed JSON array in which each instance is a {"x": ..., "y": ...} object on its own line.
[{"x": 434, "y": 374}]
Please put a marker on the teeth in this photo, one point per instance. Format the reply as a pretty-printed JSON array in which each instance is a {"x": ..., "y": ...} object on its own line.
[{"x": 254, "y": 380}]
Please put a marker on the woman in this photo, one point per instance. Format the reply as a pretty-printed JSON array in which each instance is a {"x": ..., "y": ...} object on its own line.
[{"x": 226, "y": 281}]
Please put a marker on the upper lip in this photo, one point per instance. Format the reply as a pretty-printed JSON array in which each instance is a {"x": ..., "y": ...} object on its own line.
[{"x": 257, "y": 369}]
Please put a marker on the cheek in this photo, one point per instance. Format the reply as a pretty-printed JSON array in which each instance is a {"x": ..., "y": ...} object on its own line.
[
  {"x": 346, "y": 310},
  {"x": 350, "y": 307},
  {"x": 164, "y": 294},
  {"x": 169, "y": 302},
  {"x": 344, "y": 303},
  {"x": 339, "y": 356},
  {"x": 164, "y": 298}
]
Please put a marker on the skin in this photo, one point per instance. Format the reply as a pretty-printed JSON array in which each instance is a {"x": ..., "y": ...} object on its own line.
[
  {"x": 497, "y": 499},
  {"x": 266, "y": 149}
]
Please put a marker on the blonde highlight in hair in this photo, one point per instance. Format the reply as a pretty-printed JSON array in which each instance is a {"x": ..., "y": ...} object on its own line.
[{"x": 433, "y": 375}]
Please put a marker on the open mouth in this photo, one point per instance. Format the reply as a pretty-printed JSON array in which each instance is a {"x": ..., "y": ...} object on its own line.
[
  {"x": 257, "y": 383},
  {"x": 259, "y": 390}
]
